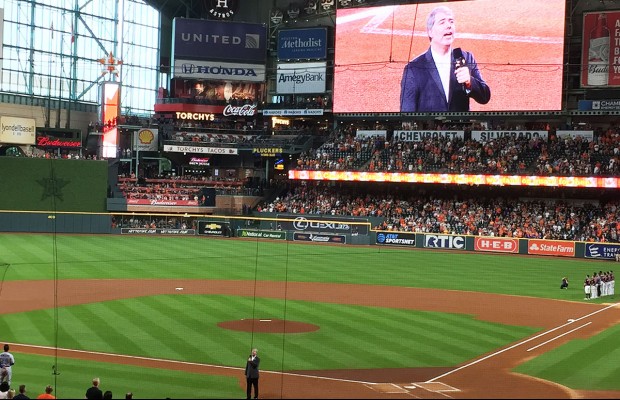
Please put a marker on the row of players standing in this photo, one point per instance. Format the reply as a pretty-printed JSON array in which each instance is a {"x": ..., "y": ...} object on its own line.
[{"x": 599, "y": 284}]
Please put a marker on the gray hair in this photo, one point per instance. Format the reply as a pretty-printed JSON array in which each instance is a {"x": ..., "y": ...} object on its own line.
[{"x": 430, "y": 20}]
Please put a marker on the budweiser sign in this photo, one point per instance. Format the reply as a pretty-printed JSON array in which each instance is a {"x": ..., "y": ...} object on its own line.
[
  {"x": 247, "y": 110},
  {"x": 53, "y": 142},
  {"x": 153, "y": 202}
]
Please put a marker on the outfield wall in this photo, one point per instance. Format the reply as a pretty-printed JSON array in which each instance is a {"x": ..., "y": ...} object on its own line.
[
  {"x": 296, "y": 228},
  {"x": 40, "y": 184}
]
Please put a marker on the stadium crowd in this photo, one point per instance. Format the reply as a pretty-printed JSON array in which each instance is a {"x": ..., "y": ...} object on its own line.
[
  {"x": 506, "y": 155},
  {"x": 463, "y": 210}
]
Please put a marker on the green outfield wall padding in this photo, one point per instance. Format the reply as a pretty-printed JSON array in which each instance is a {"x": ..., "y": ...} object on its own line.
[{"x": 39, "y": 184}]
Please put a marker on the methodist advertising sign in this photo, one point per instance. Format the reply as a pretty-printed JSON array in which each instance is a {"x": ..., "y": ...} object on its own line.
[
  {"x": 301, "y": 78},
  {"x": 17, "y": 130},
  {"x": 302, "y": 43},
  {"x": 200, "y": 39}
]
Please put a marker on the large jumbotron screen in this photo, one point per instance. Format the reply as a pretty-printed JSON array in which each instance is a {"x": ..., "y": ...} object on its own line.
[{"x": 518, "y": 46}]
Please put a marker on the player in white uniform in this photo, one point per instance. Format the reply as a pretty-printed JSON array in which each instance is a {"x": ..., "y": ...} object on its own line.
[{"x": 6, "y": 363}]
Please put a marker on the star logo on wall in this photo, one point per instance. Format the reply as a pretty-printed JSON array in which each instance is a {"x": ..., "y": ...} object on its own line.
[{"x": 52, "y": 187}]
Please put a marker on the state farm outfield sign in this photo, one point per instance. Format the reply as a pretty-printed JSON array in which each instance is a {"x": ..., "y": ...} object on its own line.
[{"x": 542, "y": 247}]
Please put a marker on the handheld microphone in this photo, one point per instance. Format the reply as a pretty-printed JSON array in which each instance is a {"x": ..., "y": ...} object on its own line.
[{"x": 459, "y": 61}]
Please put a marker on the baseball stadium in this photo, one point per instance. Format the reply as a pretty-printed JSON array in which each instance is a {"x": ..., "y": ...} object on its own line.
[{"x": 192, "y": 190}]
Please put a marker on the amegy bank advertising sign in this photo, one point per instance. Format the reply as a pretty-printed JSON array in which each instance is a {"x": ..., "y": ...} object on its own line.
[
  {"x": 17, "y": 130},
  {"x": 301, "y": 78}
]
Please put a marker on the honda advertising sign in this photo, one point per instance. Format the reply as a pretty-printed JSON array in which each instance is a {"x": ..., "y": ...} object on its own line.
[
  {"x": 301, "y": 78},
  {"x": 218, "y": 40},
  {"x": 302, "y": 44},
  {"x": 215, "y": 70}
]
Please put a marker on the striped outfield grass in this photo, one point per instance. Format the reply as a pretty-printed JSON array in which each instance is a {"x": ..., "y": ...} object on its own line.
[
  {"x": 185, "y": 328},
  {"x": 117, "y": 257},
  {"x": 74, "y": 377},
  {"x": 187, "y": 336},
  {"x": 587, "y": 364}
]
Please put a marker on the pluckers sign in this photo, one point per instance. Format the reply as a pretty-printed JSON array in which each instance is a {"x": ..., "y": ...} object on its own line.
[{"x": 223, "y": 9}]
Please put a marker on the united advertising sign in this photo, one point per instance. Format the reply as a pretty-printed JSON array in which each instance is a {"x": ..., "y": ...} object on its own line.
[
  {"x": 199, "y": 39},
  {"x": 302, "y": 44},
  {"x": 301, "y": 78}
]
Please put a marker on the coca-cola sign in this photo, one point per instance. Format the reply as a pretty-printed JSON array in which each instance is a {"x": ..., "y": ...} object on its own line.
[
  {"x": 247, "y": 110},
  {"x": 45, "y": 141}
]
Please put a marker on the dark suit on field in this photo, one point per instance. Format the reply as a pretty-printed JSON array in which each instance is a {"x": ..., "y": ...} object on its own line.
[
  {"x": 422, "y": 91},
  {"x": 251, "y": 375}
]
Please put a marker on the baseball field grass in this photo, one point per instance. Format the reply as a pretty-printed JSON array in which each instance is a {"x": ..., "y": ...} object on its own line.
[{"x": 185, "y": 327}]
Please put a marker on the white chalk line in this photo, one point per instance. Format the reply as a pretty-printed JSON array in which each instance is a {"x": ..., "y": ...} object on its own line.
[
  {"x": 557, "y": 337},
  {"x": 520, "y": 343},
  {"x": 113, "y": 355}
]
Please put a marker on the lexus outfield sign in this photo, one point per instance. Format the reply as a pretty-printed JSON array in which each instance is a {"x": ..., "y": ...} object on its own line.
[{"x": 295, "y": 78}]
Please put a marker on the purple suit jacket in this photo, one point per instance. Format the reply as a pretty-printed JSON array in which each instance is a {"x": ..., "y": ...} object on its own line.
[{"x": 422, "y": 91}]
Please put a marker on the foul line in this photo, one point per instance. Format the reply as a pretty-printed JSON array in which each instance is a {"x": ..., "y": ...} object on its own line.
[
  {"x": 520, "y": 343},
  {"x": 557, "y": 337},
  {"x": 183, "y": 362}
]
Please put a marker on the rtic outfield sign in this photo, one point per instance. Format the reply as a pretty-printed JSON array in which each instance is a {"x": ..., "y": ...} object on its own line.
[{"x": 250, "y": 233}]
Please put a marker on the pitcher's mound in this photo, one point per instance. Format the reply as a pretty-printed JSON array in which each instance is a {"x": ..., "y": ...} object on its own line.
[{"x": 268, "y": 326}]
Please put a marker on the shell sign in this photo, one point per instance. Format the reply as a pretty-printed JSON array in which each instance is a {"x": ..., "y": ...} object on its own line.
[{"x": 146, "y": 140}]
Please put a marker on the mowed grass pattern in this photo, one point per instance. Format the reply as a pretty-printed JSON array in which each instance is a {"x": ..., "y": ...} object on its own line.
[
  {"x": 74, "y": 377},
  {"x": 598, "y": 355},
  {"x": 138, "y": 257},
  {"x": 184, "y": 328}
]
